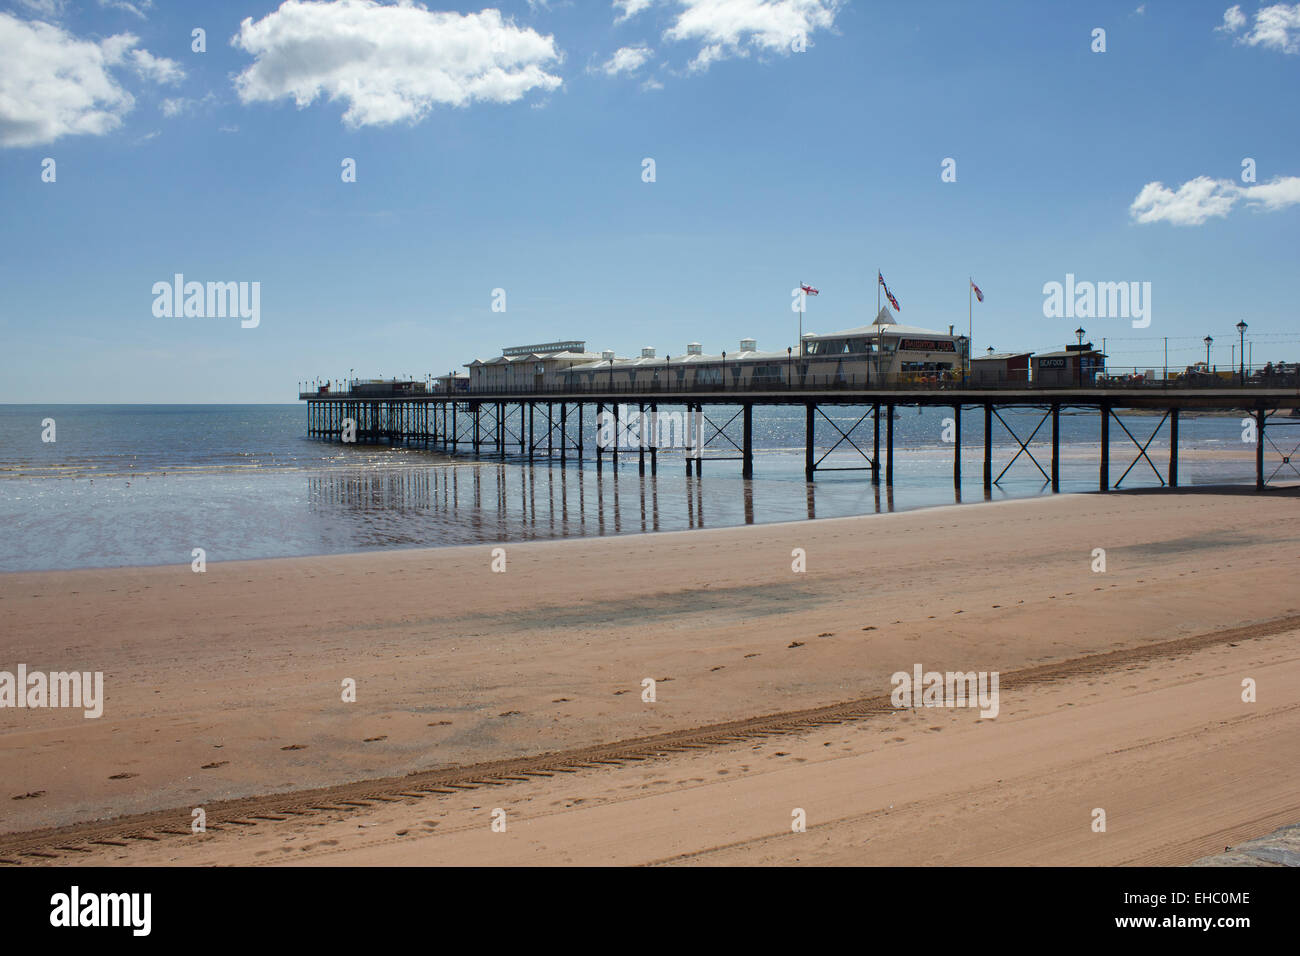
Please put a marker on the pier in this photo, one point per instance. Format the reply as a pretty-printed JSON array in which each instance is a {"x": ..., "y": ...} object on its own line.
[{"x": 547, "y": 425}]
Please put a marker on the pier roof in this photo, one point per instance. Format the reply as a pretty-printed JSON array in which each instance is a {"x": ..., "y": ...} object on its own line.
[
  {"x": 885, "y": 324},
  {"x": 749, "y": 355},
  {"x": 514, "y": 359}
]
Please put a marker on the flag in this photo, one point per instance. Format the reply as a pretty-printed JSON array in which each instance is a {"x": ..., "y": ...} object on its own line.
[
  {"x": 809, "y": 290},
  {"x": 888, "y": 295},
  {"x": 978, "y": 294}
]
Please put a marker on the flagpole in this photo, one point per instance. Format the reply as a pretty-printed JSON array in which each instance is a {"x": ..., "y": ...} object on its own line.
[
  {"x": 877, "y": 290},
  {"x": 970, "y": 343}
]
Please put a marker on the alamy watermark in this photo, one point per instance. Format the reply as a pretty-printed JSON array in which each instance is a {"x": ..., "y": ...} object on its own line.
[
  {"x": 37, "y": 689},
  {"x": 129, "y": 910},
  {"x": 950, "y": 689},
  {"x": 213, "y": 300},
  {"x": 1098, "y": 300},
  {"x": 627, "y": 428}
]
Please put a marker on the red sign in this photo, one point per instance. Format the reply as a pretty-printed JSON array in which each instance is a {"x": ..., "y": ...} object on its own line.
[{"x": 926, "y": 345}]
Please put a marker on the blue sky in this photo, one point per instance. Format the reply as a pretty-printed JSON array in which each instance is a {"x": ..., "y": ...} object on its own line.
[{"x": 507, "y": 152}]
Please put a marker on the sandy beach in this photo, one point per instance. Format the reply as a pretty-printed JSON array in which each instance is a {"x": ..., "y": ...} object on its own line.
[{"x": 1122, "y": 690}]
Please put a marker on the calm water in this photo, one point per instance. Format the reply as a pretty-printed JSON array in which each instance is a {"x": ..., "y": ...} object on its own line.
[{"x": 143, "y": 484}]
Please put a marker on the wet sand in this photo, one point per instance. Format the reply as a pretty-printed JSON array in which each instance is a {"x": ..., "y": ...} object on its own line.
[{"x": 230, "y": 683}]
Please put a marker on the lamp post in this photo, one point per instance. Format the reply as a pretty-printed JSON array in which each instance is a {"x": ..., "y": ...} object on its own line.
[
  {"x": 724, "y": 368},
  {"x": 789, "y": 367},
  {"x": 1209, "y": 340},
  {"x": 1241, "y": 330}
]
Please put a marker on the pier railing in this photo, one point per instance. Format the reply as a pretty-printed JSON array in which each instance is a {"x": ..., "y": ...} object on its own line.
[{"x": 1113, "y": 378}]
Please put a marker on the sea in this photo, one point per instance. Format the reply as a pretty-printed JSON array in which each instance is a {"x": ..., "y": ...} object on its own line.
[{"x": 125, "y": 485}]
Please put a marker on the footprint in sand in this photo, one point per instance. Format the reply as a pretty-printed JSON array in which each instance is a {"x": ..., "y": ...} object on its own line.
[
  {"x": 441, "y": 723},
  {"x": 290, "y": 747},
  {"x": 29, "y": 796},
  {"x": 371, "y": 740},
  {"x": 312, "y": 846},
  {"x": 560, "y": 700},
  {"x": 826, "y": 634},
  {"x": 123, "y": 776},
  {"x": 718, "y": 668},
  {"x": 795, "y": 644},
  {"x": 510, "y": 713},
  {"x": 208, "y": 766},
  {"x": 870, "y": 627}
]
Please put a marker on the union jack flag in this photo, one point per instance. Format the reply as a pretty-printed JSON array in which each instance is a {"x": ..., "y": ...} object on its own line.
[{"x": 888, "y": 295}]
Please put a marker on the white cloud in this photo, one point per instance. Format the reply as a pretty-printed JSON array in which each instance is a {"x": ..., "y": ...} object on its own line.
[
  {"x": 629, "y": 59},
  {"x": 651, "y": 84},
  {"x": 159, "y": 69},
  {"x": 177, "y": 105},
  {"x": 727, "y": 28},
  {"x": 138, "y": 7},
  {"x": 1193, "y": 202},
  {"x": 1202, "y": 198},
  {"x": 48, "y": 8},
  {"x": 1280, "y": 193},
  {"x": 55, "y": 84},
  {"x": 1277, "y": 27},
  {"x": 1233, "y": 20},
  {"x": 630, "y": 8},
  {"x": 390, "y": 63}
]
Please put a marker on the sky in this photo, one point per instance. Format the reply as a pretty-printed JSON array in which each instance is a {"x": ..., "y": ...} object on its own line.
[{"x": 502, "y": 194}]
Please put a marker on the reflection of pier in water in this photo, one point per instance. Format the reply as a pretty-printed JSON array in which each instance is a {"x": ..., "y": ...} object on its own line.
[{"x": 500, "y": 501}]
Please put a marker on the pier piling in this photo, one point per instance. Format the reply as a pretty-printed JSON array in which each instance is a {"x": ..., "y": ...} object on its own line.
[
  {"x": 1056, "y": 446},
  {"x": 889, "y": 444},
  {"x": 956, "y": 448},
  {"x": 1104, "y": 477},
  {"x": 747, "y": 465},
  {"x": 1173, "y": 448}
]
